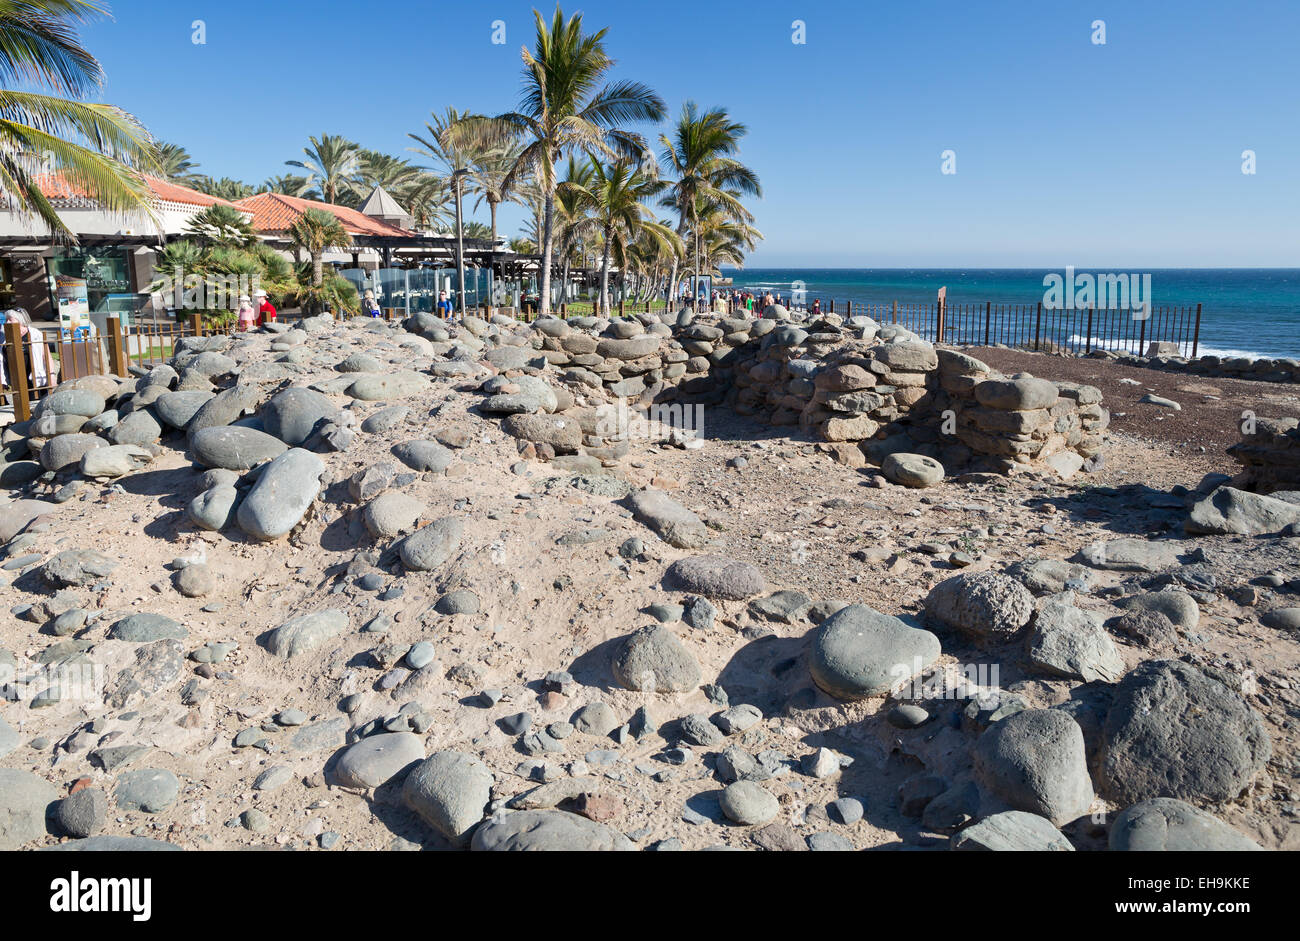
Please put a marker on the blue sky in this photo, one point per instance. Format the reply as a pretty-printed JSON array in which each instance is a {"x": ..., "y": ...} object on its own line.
[{"x": 1124, "y": 154}]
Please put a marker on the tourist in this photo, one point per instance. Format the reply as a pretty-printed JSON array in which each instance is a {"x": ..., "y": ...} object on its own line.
[
  {"x": 817, "y": 306},
  {"x": 444, "y": 306},
  {"x": 40, "y": 365},
  {"x": 265, "y": 309},
  {"x": 369, "y": 306},
  {"x": 246, "y": 318}
]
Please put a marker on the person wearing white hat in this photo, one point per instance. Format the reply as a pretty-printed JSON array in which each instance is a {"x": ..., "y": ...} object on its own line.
[
  {"x": 246, "y": 319},
  {"x": 369, "y": 306},
  {"x": 265, "y": 309}
]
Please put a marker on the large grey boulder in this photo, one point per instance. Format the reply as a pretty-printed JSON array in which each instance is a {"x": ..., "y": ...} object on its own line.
[
  {"x": 748, "y": 804},
  {"x": 653, "y": 659},
  {"x": 146, "y": 627},
  {"x": 178, "y": 409},
  {"x": 73, "y": 568},
  {"x": 714, "y": 576},
  {"x": 391, "y": 513},
  {"x": 379, "y": 388},
  {"x": 149, "y": 790},
  {"x": 542, "y": 830},
  {"x": 17, "y": 516},
  {"x": 912, "y": 470},
  {"x": 116, "y": 461},
  {"x": 449, "y": 790},
  {"x": 1177, "y": 605},
  {"x": 377, "y": 759},
  {"x": 562, "y": 433},
  {"x": 282, "y": 494},
  {"x": 214, "y": 509},
  {"x": 67, "y": 450},
  {"x": 305, "y": 633},
  {"x": 426, "y": 456},
  {"x": 25, "y": 801},
  {"x": 859, "y": 652},
  {"x": 1011, "y": 831},
  {"x": 1131, "y": 554},
  {"x": 1070, "y": 642},
  {"x": 1164, "y": 824},
  {"x": 1034, "y": 761},
  {"x": 224, "y": 408},
  {"x": 1233, "y": 512},
  {"x": 668, "y": 519},
  {"x": 295, "y": 414},
  {"x": 138, "y": 428},
  {"x": 234, "y": 447},
  {"x": 430, "y": 546},
  {"x": 1018, "y": 394},
  {"x": 987, "y": 606},
  {"x": 70, "y": 401},
  {"x": 1174, "y": 731}
]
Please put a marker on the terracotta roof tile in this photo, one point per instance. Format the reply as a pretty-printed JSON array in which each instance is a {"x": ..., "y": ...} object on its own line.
[
  {"x": 276, "y": 212},
  {"x": 56, "y": 186}
]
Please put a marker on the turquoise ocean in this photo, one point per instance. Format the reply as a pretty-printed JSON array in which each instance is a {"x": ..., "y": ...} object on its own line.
[{"x": 1245, "y": 311}]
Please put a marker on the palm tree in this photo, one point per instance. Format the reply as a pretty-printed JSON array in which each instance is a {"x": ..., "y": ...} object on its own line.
[
  {"x": 224, "y": 188},
  {"x": 426, "y": 198},
  {"x": 378, "y": 169},
  {"x": 720, "y": 238},
  {"x": 316, "y": 232},
  {"x": 222, "y": 225},
  {"x": 175, "y": 163},
  {"x": 564, "y": 109},
  {"x": 571, "y": 219},
  {"x": 616, "y": 199},
  {"x": 287, "y": 184},
  {"x": 447, "y": 145},
  {"x": 491, "y": 180},
  {"x": 523, "y": 246},
  {"x": 700, "y": 155},
  {"x": 96, "y": 148},
  {"x": 331, "y": 161}
]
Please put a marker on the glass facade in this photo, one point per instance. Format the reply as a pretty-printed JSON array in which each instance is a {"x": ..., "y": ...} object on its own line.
[
  {"x": 415, "y": 290},
  {"x": 106, "y": 271}
]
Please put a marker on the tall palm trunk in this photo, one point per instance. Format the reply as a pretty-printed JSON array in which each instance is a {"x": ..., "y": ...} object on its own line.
[
  {"x": 548, "y": 235},
  {"x": 492, "y": 208},
  {"x": 604, "y": 273},
  {"x": 317, "y": 268}
]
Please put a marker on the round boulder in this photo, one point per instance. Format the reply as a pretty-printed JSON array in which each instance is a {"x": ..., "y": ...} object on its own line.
[
  {"x": 449, "y": 790},
  {"x": 653, "y": 659},
  {"x": 912, "y": 470},
  {"x": 860, "y": 652}
]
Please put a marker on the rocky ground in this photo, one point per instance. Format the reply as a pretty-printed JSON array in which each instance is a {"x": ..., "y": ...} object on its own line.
[{"x": 397, "y": 631}]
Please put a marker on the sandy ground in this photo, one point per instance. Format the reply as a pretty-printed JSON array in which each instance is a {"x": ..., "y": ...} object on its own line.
[{"x": 805, "y": 521}]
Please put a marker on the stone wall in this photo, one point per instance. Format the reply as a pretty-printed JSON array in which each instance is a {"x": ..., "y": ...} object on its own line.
[
  {"x": 1269, "y": 455},
  {"x": 867, "y": 390}
]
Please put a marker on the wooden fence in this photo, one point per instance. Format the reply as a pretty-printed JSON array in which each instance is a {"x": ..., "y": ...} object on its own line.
[{"x": 33, "y": 367}]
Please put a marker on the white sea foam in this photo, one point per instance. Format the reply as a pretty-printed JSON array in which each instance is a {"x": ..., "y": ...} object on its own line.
[{"x": 1202, "y": 350}]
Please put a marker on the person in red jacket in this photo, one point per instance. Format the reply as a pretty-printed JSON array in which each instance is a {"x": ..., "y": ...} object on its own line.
[{"x": 266, "y": 310}]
